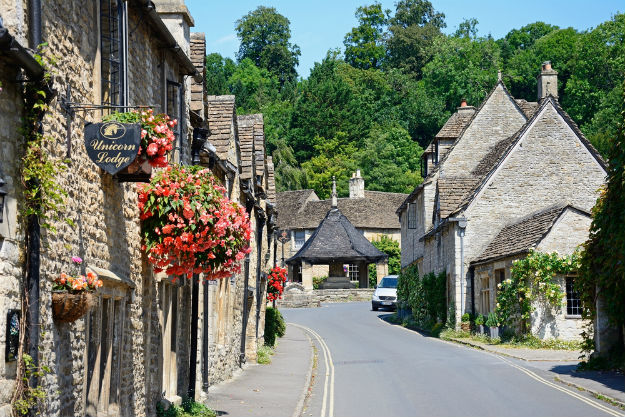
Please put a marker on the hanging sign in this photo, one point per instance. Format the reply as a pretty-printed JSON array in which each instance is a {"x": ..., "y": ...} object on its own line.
[{"x": 112, "y": 145}]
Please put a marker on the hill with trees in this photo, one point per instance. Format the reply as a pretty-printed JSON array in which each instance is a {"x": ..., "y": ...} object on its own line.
[{"x": 376, "y": 104}]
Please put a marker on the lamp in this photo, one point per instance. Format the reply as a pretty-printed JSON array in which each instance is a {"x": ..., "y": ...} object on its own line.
[{"x": 3, "y": 194}]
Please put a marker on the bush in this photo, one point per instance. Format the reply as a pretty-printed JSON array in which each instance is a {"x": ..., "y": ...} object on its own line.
[
  {"x": 492, "y": 320},
  {"x": 479, "y": 320},
  {"x": 466, "y": 318},
  {"x": 425, "y": 296},
  {"x": 317, "y": 281},
  {"x": 188, "y": 408},
  {"x": 274, "y": 326}
]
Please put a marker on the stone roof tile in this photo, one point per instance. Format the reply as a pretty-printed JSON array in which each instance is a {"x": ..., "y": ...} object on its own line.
[
  {"x": 246, "y": 137},
  {"x": 452, "y": 191},
  {"x": 221, "y": 117}
]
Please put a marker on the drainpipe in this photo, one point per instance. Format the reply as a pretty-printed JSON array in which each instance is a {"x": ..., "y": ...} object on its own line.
[
  {"x": 195, "y": 293},
  {"x": 260, "y": 223},
  {"x": 472, "y": 277},
  {"x": 205, "y": 338},
  {"x": 34, "y": 231},
  {"x": 462, "y": 224},
  {"x": 246, "y": 276}
]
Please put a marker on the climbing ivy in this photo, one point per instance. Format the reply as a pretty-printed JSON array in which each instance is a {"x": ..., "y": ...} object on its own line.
[
  {"x": 533, "y": 278},
  {"x": 602, "y": 272}
]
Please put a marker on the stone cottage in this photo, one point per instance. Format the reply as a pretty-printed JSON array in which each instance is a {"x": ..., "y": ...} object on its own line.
[
  {"x": 371, "y": 212},
  {"x": 149, "y": 337},
  {"x": 494, "y": 175}
]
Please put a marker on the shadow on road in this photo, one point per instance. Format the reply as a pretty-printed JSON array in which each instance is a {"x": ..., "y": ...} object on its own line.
[{"x": 609, "y": 379}]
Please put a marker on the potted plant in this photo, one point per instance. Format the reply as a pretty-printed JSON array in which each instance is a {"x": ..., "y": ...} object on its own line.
[
  {"x": 479, "y": 322},
  {"x": 493, "y": 325},
  {"x": 189, "y": 226},
  {"x": 72, "y": 295},
  {"x": 275, "y": 284},
  {"x": 465, "y": 323},
  {"x": 157, "y": 137}
]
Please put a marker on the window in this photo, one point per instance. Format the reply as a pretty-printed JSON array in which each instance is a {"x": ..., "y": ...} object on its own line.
[
  {"x": 500, "y": 276},
  {"x": 352, "y": 272},
  {"x": 412, "y": 216},
  {"x": 485, "y": 295},
  {"x": 300, "y": 238},
  {"x": 174, "y": 107},
  {"x": 573, "y": 302},
  {"x": 113, "y": 52}
]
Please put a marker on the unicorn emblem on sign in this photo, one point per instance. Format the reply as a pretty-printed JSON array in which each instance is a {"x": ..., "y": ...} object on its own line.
[{"x": 112, "y": 130}]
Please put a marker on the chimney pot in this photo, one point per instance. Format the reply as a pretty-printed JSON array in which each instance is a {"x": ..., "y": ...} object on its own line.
[
  {"x": 547, "y": 81},
  {"x": 356, "y": 186},
  {"x": 547, "y": 66},
  {"x": 463, "y": 103}
]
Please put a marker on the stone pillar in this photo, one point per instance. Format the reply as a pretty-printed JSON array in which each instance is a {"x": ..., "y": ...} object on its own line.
[
  {"x": 307, "y": 275},
  {"x": 363, "y": 275},
  {"x": 382, "y": 269}
]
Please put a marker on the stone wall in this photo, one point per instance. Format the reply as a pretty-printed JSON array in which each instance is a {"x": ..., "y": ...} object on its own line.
[{"x": 297, "y": 297}]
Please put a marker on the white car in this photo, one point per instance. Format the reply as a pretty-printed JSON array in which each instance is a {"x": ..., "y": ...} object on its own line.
[{"x": 385, "y": 294}]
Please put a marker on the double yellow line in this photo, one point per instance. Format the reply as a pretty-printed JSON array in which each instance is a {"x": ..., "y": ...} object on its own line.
[
  {"x": 327, "y": 403},
  {"x": 560, "y": 388}
]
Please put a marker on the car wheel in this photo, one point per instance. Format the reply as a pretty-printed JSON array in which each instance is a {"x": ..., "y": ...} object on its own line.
[{"x": 374, "y": 307}]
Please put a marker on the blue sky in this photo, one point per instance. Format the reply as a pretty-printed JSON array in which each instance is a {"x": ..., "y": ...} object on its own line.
[{"x": 317, "y": 26}]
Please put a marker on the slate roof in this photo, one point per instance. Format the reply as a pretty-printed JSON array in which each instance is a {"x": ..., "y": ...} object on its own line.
[
  {"x": 221, "y": 115},
  {"x": 452, "y": 191},
  {"x": 454, "y": 126},
  {"x": 336, "y": 240},
  {"x": 198, "y": 58},
  {"x": 524, "y": 234},
  {"x": 528, "y": 107},
  {"x": 375, "y": 211},
  {"x": 259, "y": 143},
  {"x": 495, "y": 157},
  {"x": 246, "y": 138},
  {"x": 271, "y": 180}
]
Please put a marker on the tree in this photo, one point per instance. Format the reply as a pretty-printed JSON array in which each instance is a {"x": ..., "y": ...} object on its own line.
[
  {"x": 467, "y": 29},
  {"x": 218, "y": 73},
  {"x": 412, "y": 30},
  {"x": 364, "y": 45},
  {"x": 264, "y": 35},
  {"x": 390, "y": 160},
  {"x": 390, "y": 247},
  {"x": 289, "y": 176},
  {"x": 462, "y": 68},
  {"x": 523, "y": 38},
  {"x": 254, "y": 87},
  {"x": 602, "y": 272}
]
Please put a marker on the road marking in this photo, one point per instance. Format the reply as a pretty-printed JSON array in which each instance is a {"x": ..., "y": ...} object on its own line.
[
  {"x": 534, "y": 376},
  {"x": 328, "y": 387}
]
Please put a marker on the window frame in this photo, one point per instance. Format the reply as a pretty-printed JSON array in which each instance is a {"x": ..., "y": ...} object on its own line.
[
  {"x": 118, "y": 35},
  {"x": 412, "y": 216},
  {"x": 297, "y": 246},
  {"x": 573, "y": 300}
]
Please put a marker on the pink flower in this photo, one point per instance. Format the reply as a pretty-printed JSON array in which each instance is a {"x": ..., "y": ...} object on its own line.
[
  {"x": 76, "y": 260},
  {"x": 152, "y": 149}
]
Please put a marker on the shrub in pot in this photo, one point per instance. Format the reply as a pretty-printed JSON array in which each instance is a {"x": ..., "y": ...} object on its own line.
[
  {"x": 479, "y": 322},
  {"x": 493, "y": 325},
  {"x": 465, "y": 323}
]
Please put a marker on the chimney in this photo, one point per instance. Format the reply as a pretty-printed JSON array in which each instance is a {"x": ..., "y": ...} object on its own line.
[
  {"x": 463, "y": 102},
  {"x": 356, "y": 185},
  {"x": 547, "y": 81}
]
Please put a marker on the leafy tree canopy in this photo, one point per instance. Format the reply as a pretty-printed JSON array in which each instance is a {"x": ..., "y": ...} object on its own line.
[{"x": 364, "y": 47}]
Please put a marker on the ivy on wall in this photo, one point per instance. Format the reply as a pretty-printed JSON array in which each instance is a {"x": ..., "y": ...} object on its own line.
[{"x": 533, "y": 278}]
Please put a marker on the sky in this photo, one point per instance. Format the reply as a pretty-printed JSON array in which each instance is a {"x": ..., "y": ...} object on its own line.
[{"x": 320, "y": 25}]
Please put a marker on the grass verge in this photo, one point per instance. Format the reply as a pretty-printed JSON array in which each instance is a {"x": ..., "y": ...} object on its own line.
[{"x": 263, "y": 355}]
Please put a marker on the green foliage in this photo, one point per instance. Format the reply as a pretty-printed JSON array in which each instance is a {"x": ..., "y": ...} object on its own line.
[
  {"x": 254, "y": 87},
  {"x": 466, "y": 318},
  {"x": 264, "y": 354},
  {"x": 317, "y": 281},
  {"x": 364, "y": 45},
  {"x": 479, "y": 320},
  {"x": 602, "y": 271},
  {"x": 44, "y": 197},
  {"x": 533, "y": 278},
  {"x": 188, "y": 408},
  {"x": 31, "y": 398},
  {"x": 492, "y": 320},
  {"x": 264, "y": 35},
  {"x": 425, "y": 296},
  {"x": 274, "y": 326},
  {"x": 392, "y": 249},
  {"x": 218, "y": 72}
]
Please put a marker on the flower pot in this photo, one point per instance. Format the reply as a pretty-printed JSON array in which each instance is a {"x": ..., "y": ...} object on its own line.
[
  {"x": 480, "y": 329},
  {"x": 465, "y": 326},
  {"x": 67, "y": 307},
  {"x": 494, "y": 332},
  {"x": 139, "y": 170}
]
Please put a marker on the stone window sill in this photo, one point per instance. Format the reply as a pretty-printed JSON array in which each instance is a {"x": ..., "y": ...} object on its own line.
[{"x": 572, "y": 317}]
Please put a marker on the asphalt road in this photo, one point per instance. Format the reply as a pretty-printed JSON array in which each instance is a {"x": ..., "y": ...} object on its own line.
[{"x": 367, "y": 367}]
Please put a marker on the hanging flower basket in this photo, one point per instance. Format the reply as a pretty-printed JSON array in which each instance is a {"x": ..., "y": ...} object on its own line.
[
  {"x": 73, "y": 295},
  {"x": 68, "y": 307},
  {"x": 189, "y": 226},
  {"x": 157, "y": 138}
]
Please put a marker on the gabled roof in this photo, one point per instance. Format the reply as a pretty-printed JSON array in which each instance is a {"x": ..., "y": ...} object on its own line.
[
  {"x": 375, "y": 211},
  {"x": 454, "y": 126},
  {"x": 221, "y": 116},
  {"x": 289, "y": 204},
  {"x": 452, "y": 191},
  {"x": 336, "y": 240},
  {"x": 198, "y": 57},
  {"x": 524, "y": 234},
  {"x": 528, "y": 107},
  {"x": 498, "y": 154},
  {"x": 246, "y": 137}
]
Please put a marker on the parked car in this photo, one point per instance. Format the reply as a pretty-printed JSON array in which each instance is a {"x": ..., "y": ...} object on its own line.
[{"x": 385, "y": 294}]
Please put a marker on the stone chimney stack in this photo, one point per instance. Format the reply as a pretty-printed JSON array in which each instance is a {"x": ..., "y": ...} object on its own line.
[
  {"x": 356, "y": 185},
  {"x": 547, "y": 81}
]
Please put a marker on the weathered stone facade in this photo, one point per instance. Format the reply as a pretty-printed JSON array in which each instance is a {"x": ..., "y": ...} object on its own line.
[
  {"x": 510, "y": 158},
  {"x": 134, "y": 347}
]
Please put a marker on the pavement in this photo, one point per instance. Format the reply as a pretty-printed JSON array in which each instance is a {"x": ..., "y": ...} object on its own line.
[
  {"x": 561, "y": 366},
  {"x": 277, "y": 389}
]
